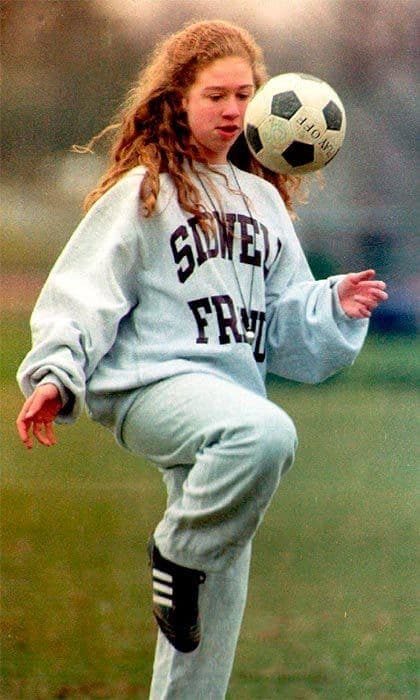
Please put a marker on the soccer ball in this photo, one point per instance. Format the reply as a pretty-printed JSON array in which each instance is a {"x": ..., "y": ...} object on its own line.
[{"x": 295, "y": 123}]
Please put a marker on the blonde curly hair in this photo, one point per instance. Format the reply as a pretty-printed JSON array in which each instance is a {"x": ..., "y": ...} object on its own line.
[{"x": 152, "y": 128}]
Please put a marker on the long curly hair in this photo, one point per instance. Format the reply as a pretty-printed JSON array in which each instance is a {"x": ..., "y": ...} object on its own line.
[{"x": 152, "y": 129}]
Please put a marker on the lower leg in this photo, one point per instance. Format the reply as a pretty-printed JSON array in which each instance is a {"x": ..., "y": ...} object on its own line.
[{"x": 204, "y": 673}]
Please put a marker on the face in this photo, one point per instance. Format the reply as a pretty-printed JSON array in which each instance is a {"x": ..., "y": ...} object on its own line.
[{"x": 215, "y": 105}]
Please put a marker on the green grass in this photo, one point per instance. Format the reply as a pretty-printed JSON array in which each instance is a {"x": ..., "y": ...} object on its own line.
[{"x": 331, "y": 610}]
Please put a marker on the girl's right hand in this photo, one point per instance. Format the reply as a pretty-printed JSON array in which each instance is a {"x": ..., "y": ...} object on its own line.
[{"x": 38, "y": 415}]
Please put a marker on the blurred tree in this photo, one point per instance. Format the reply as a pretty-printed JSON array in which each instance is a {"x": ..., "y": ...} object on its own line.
[{"x": 66, "y": 69}]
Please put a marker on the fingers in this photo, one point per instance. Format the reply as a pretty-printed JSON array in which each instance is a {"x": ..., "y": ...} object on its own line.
[
  {"x": 355, "y": 282},
  {"x": 23, "y": 423},
  {"x": 365, "y": 275},
  {"x": 372, "y": 284},
  {"x": 369, "y": 300},
  {"x": 24, "y": 434},
  {"x": 361, "y": 311},
  {"x": 365, "y": 306},
  {"x": 44, "y": 433},
  {"x": 365, "y": 279},
  {"x": 368, "y": 293},
  {"x": 373, "y": 295}
]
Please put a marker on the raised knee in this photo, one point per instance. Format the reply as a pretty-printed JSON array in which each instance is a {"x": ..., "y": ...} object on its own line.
[
  {"x": 276, "y": 434},
  {"x": 266, "y": 439},
  {"x": 274, "y": 442}
]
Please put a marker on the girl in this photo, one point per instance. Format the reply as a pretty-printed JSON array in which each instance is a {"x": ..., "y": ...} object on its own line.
[{"x": 182, "y": 286}]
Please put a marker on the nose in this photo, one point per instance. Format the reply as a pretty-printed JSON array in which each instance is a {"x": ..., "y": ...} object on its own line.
[{"x": 231, "y": 108}]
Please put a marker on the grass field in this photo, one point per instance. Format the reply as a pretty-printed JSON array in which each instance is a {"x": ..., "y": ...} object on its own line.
[{"x": 332, "y": 603}]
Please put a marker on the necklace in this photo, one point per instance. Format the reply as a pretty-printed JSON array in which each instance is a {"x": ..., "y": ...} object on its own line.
[{"x": 248, "y": 332}]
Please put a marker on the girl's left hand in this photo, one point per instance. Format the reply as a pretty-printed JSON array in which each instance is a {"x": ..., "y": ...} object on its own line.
[{"x": 360, "y": 293}]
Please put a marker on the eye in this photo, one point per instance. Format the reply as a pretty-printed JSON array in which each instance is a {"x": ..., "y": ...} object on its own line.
[
  {"x": 244, "y": 96},
  {"x": 215, "y": 98}
]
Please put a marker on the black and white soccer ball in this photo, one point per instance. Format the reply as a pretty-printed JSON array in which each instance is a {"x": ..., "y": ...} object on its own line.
[{"x": 295, "y": 123}]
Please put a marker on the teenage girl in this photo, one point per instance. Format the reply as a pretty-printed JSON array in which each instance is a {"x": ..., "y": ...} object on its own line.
[{"x": 181, "y": 287}]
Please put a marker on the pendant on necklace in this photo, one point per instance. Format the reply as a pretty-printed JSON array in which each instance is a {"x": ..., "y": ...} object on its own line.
[{"x": 249, "y": 336}]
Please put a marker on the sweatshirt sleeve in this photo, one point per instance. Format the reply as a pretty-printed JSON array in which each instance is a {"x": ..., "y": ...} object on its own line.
[
  {"x": 90, "y": 289},
  {"x": 309, "y": 337}
]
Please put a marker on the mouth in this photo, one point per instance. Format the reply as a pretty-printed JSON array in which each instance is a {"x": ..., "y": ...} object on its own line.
[{"x": 228, "y": 130}]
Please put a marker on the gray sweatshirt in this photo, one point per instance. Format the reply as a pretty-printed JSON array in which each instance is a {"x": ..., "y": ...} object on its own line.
[{"x": 134, "y": 300}]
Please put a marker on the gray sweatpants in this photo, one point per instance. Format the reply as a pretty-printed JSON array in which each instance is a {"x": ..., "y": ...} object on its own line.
[{"x": 222, "y": 450}]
